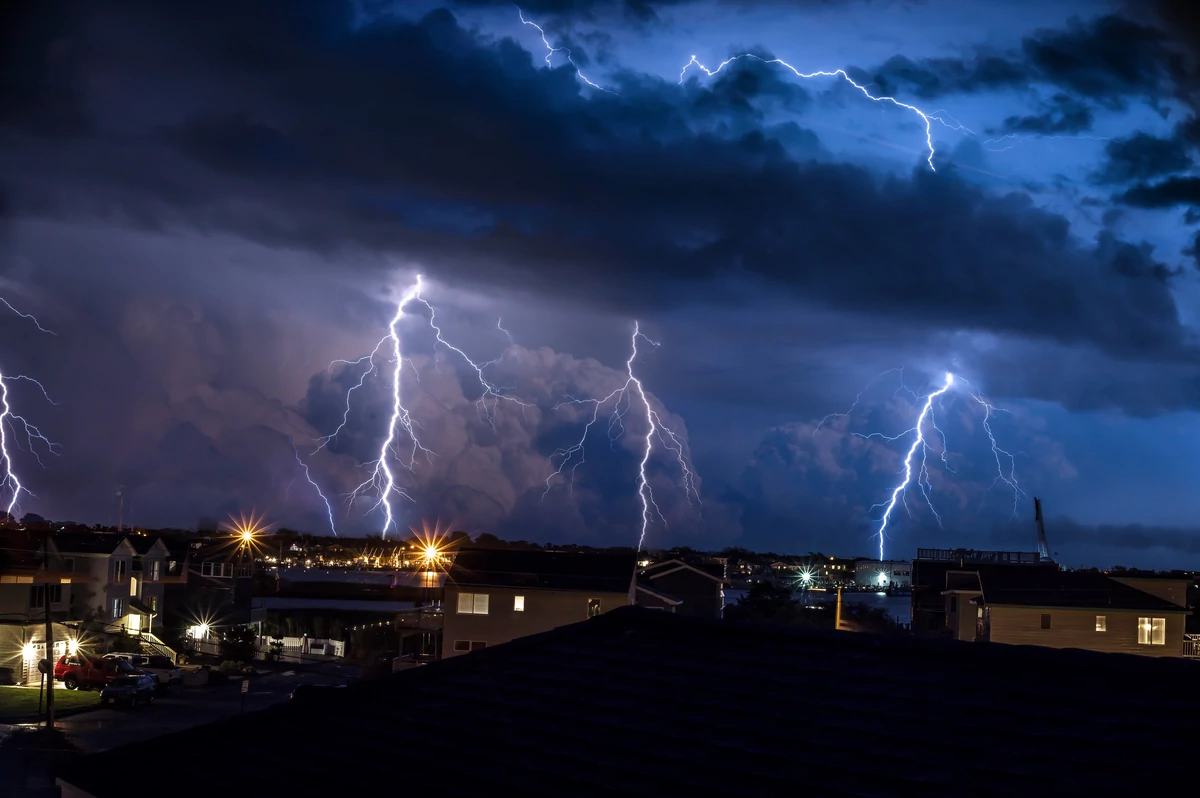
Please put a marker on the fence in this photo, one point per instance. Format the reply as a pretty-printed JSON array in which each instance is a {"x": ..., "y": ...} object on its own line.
[{"x": 1191, "y": 646}]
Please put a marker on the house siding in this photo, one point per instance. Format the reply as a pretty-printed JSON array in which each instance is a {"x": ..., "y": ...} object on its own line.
[
  {"x": 544, "y": 610},
  {"x": 1076, "y": 628},
  {"x": 702, "y": 595}
]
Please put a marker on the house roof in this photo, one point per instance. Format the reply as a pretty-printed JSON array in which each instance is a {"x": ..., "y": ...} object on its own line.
[
  {"x": 88, "y": 542},
  {"x": 20, "y": 549},
  {"x": 597, "y": 572},
  {"x": 670, "y": 566},
  {"x": 142, "y": 544},
  {"x": 1048, "y": 587},
  {"x": 622, "y": 704},
  {"x": 658, "y": 594}
]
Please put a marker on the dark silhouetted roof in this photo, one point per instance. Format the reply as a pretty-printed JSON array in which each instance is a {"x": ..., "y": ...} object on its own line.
[
  {"x": 666, "y": 566},
  {"x": 88, "y": 542},
  {"x": 1047, "y": 587},
  {"x": 609, "y": 573},
  {"x": 637, "y": 703},
  {"x": 962, "y": 580}
]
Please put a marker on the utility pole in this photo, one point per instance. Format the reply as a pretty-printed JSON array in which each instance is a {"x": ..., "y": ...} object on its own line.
[{"x": 49, "y": 660}]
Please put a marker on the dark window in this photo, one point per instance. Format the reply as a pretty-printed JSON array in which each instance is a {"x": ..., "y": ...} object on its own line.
[
  {"x": 37, "y": 595},
  {"x": 593, "y": 607},
  {"x": 462, "y": 645},
  {"x": 954, "y": 604},
  {"x": 477, "y": 644},
  {"x": 1046, "y": 621}
]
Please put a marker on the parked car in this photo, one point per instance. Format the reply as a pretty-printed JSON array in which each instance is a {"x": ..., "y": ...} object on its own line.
[
  {"x": 80, "y": 670},
  {"x": 131, "y": 690},
  {"x": 165, "y": 671}
]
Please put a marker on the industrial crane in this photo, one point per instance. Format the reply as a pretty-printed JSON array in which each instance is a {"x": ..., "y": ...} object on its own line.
[{"x": 1043, "y": 549}]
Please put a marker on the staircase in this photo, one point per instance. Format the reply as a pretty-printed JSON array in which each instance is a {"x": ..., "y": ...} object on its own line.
[{"x": 152, "y": 645}]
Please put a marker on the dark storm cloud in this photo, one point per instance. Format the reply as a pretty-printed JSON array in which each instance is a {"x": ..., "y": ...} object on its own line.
[
  {"x": 1106, "y": 60},
  {"x": 1165, "y": 193},
  {"x": 41, "y": 83},
  {"x": 353, "y": 132},
  {"x": 1143, "y": 157},
  {"x": 1063, "y": 114}
]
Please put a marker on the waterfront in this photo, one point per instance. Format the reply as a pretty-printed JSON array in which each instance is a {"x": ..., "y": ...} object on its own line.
[{"x": 898, "y": 607}]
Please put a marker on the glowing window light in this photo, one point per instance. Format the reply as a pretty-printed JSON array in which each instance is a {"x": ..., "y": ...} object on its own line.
[{"x": 27, "y": 651}]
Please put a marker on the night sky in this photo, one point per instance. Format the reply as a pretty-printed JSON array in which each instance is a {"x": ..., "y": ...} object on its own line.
[{"x": 210, "y": 202}]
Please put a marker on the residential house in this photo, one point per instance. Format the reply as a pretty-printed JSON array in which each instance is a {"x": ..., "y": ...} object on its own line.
[
  {"x": 682, "y": 588},
  {"x": 32, "y": 575},
  {"x": 620, "y": 705},
  {"x": 497, "y": 595},
  {"x": 219, "y": 583},
  {"x": 1065, "y": 609},
  {"x": 928, "y": 576},
  {"x": 109, "y": 600},
  {"x": 834, "y": 570}
]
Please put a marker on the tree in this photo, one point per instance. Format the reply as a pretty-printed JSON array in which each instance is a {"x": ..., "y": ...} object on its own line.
[
  {"x": 238, "y": 643},
  {"x": 488, "y": 540}
]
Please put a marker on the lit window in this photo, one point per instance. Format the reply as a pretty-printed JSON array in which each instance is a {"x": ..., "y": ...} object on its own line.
[
  {"x": 133, "y": 583},
  {"x": 117, "y": 607},
  {"x": 1152, "y": 631},
  {"x": 154, "y": 570},
  {"x": 472, "y": 603},
  {"x": 593, "y": 607},
  {"x": 1101, "y": 623},
  {"x": 518, "y": 604}
]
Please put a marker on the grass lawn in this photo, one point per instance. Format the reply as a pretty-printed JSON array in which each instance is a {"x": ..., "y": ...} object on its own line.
[{"x": 20, "y": 704}]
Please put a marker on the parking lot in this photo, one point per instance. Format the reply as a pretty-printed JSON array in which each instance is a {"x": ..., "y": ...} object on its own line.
[{"x": 183, "y": 707}]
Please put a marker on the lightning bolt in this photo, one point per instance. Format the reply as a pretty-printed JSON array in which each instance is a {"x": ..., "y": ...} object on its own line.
[
  {"x": 551, "y": 50},
  {"x": 621, "y": 401},
  {"x": 918, "y": 443},
  {"x": 9, "y": 421},
  {"x": 1009, "y": 479},
  {"x": 316, "y": 487},
  {"x": 918, "y": 471},
  {"x": 402, "y": 426}
]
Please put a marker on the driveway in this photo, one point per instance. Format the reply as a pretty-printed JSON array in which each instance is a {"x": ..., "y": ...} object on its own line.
[{"x": 184, "y": 707}]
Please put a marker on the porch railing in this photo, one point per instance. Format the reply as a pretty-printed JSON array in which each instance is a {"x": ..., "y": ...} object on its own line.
[{"x": 1191, "y": 646}]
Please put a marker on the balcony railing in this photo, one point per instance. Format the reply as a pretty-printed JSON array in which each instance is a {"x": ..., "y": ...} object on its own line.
[{"x": 1191, "y": 646}]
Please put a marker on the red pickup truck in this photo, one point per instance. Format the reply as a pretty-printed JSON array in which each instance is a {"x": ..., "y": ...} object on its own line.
[{"x": 79, "y": 670}]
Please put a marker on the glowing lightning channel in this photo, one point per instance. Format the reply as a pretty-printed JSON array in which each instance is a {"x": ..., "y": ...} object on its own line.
[
  {"x": 490, "y": 391},
  {"x": 551, "y": 50},
  {"x": 316, "y": 487},
  {"x": 1010, "y": 478},
  {"x": 9, "y": 420},
  {"x": 401, "y": 423},
  {"x": 918, "y": 443},
  {"x": 656, "y": 429},
  {"x": 927, "y": 119}
]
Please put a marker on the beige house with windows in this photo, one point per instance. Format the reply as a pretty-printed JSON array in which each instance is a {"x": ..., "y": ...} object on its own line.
[
  {"x": 1067, "y": 609},
  {"x": 495, "y": 596}
]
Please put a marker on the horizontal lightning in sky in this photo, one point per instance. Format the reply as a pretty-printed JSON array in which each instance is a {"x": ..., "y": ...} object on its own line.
[
  {"x": 12, "y": 422},
  {"x": 927, "y": 117},
  {"x": 917, "y": 472},
  {"x": 621, "y": 401}
]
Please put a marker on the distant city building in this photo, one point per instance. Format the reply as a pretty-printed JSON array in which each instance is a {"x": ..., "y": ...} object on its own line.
[
  {"x": 497, "y": 595},
  {"x": 929, "y": 579},
  {"x": 883, "y": 575}
]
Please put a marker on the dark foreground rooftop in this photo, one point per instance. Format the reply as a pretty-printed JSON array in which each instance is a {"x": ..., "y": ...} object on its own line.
[{"x": 645, "y": 703}]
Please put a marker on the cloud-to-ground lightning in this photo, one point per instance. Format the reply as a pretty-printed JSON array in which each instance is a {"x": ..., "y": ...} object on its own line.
[
  {"x": 9, "y": 420},
  {"x": 925, "y": 425},
  {"x": 316, "y": 487},
  {"x": 621, "y": 401},
  {"x": 401, "y": 425},
  {"x": 918, "y": 443}
]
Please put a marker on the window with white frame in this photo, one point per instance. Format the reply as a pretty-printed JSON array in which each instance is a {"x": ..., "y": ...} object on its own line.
[
  {"x": 118, "y": 608},
  {"x": 119, "y": 570},
  {"x": 1101, "y": 623},
  {"x": 593, "y": 607},
  {"x": 155, "y": 567},
  {"x": 222, "y": 570},
  {"x": 1152, "y": 631},
  {"x": 518, "y": 604},
  {"x": 472, "y": 603}
]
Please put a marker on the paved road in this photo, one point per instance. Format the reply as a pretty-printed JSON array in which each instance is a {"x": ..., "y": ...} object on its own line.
[{"x": 183, "y": 708}]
